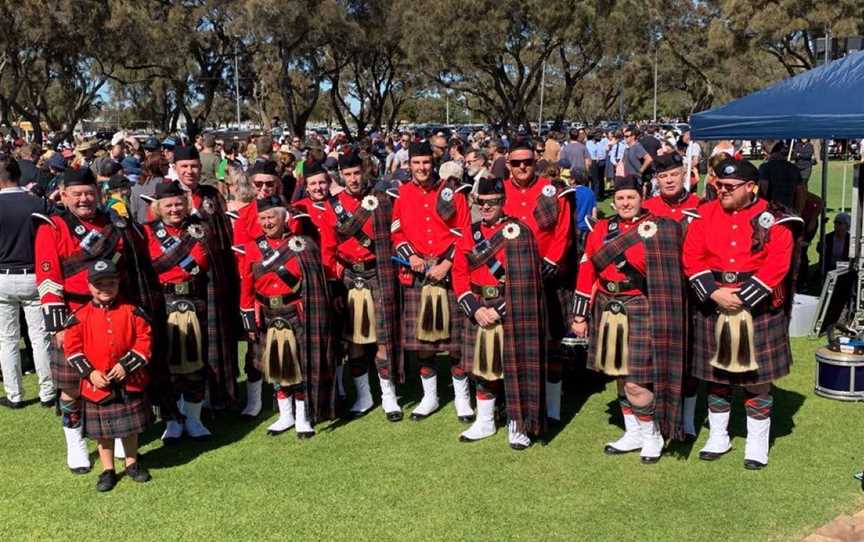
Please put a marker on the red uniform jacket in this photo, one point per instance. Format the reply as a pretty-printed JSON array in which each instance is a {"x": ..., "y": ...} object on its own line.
[
  {"x": 589, "y": 280},
  {"x": 418, "y": 228},
  {"x": 350, "y": 250},
  {"x": 269, "y": 284},
  {"x": 464, "y": 277},
  {"x": 322, "y": 222},
  {"x": 674, "y": 210},
  {"x": 721, "y": 241},
  {"x": 181, "y": 272},
  {"x": 99, "y": 337},
  {"x": 56, "y": 242},
  {"x": 520, "y": 203}
]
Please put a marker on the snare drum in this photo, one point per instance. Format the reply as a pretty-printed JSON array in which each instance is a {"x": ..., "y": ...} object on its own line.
[{"x": 839, "y": 375}]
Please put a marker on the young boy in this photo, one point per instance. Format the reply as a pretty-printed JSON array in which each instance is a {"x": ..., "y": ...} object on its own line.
[
  {"x": 117, "y": 191},
  {"x": 109, "y": 343}
]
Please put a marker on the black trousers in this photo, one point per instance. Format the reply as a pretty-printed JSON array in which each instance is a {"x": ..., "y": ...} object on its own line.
[{"x": 597, "y": 173}]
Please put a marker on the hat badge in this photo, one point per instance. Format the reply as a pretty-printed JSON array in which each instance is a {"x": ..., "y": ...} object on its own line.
[
  {"x": 101, "y": 266},
  {"x": 729, "y": 170}
]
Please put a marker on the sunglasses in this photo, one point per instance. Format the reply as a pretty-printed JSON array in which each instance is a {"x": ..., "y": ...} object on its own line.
[
  {"x": 728, "y": 187},
  {"x": 528, "y": 162},
  {"x": 491, "y": 202},
  {"x": 262, "y": 184}
]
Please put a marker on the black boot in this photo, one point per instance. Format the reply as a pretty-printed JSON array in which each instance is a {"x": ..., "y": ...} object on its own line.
[{"x": 107, "y": 481}]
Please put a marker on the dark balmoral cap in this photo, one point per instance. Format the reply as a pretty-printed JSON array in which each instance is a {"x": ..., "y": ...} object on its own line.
[
  {"x": 737, "y": 169},
  {"x": 349, "y": 160},
  {"x": 420, "y": 149},
  {"x": 490, "y": 186},
  {"x": 312, "y": 168},
  {"x": 262, "y": 167},
  {"x": 117, "y": 182},
  {"x": 522, "y": 144},
  {"x": 186, "y": 152},
  {"x": 270, "y": 202},
  {"x": 78, "y": 177},
  {"x": 629, "y": 182},
  {"x": 169, "y": 190},
  {"x": 102, "y": 269},
  {"x": 665, "y": 162}
]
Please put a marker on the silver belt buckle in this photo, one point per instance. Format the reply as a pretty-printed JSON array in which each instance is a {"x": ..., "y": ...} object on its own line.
[
  {"x": 358, "y": 267},
  {"x": 276, "y": 302},
  {"x": 612, "y": 286},
  {"x": 365, "y": 243},
  {"x": 730, "y": 277},
  {"x": 490, "y": 292},
  {"x": 182, "y": 288}
]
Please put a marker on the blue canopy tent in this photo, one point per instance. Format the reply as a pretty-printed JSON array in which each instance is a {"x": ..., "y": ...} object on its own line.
[{"x": 826, "y": 102}]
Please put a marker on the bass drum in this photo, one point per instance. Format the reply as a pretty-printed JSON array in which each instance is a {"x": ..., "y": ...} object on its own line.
[{"x": 839, "y": 375}]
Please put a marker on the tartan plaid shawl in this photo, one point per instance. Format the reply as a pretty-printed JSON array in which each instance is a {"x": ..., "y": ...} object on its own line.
[
  {"x": 320, "y": 366},
  {"x": 546, "y": 211},
  {"x": 525, "y": 333},
  {"x": 142, "y": 288},
  {"x": 666, "y": 300},
  {"x": 387, "y": 282},
  {"x": 782, "y": 296}
]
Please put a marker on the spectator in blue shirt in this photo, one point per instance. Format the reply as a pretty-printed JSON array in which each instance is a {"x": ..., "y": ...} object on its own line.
[{"x": 584, "y": 206}]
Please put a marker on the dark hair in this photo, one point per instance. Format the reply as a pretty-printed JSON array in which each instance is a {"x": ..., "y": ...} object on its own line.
[
  {"x": 10, "y": 172},
  {"x": 155, "y": 165}
]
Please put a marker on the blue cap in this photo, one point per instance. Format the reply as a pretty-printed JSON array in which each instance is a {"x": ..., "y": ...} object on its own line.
[
  {"x": 151, "y": 144},
  {"x": 564, "y": 163},
  {"x": 169, "y": 142},
  {"x": 131, "y": 165},
  {"x": 57, "y": 162}
]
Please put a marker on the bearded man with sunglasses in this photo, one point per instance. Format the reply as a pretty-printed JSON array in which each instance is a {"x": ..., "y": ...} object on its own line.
[
  {"x": 739, "y": 256},
  {"x": 545, "y": 208}
]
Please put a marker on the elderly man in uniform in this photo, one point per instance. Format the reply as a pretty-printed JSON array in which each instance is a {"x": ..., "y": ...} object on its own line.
[
  {"x": 545, "y": 208},
  {"x": 360, "y": 218},
  {"x": 495, "y": 277},
  {"x": 429, "y": 216},
  {"x": 738, "y": 256},
  {"x": 208, "y": 204},
  {"x": 677, "y": 203}
]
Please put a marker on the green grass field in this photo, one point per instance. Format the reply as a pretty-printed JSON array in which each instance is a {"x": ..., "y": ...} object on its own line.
[{"x": 372, "y": 480}]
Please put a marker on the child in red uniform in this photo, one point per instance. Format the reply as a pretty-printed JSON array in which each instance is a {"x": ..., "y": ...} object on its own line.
[{"x": 109, "y": 343}]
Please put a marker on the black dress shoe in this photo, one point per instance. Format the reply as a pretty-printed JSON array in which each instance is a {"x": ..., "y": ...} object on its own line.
[
  {"x": 305, "y": 435},
  {"x": 138, "y": 473},
  {"x": 357, "y": 414},
  {"x": 752, "y": 464},
  {"x": 649, "y": 460},
  {"x": 14, "y": 405},
  {"x": 273, "y": 433},
  {"x": 80, "y": 470},
  {"x": 518, "y": 447},
  {"x": 689, "y": 439},
  {"x": 395, "y": 416},
  {"x": 418, "y": 417},
  {"x": 49, "y": 403},
  {"x": 712, "y": 456},
  {"x": 611, "y": 450},
  {"x": 107, "y": 481},
  {"x": 466, "y": 419}
]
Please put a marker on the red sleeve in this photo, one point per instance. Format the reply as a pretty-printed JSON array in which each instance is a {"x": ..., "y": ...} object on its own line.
[
  {"x": 327, "y": 230},
  {"x": 143, "y": 337},
  {"x": 694, "y": 249},
  {"x": 779, "y": 250},
  {"x": 49, "y": 274},
  {"x": 247, "y": 280},
  {"x": 73, "y": 341},
  {"x": 460, "y": 274},
  {"x": 587, "y": 275},
  {"x": 562, "y": 233},
  {"x": 397, "y": 235}
]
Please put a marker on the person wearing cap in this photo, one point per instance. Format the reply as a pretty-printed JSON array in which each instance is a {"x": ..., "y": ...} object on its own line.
[
  {"x": 836, "y": 247},
  {"x": 360, "y": 217},
  {"x": 168, "y": 146},
  {"x": 68, "y": 241},
  {"x": 738, "y": 257},
  {"x": 56, "y": 166},
  {"x": 779, "y": 179},
  {"x": 150, "y": 146},
  {"x": 131, "y": 167},
  {"x": 312, "y": 220},
  {"x": 84, "y": 153},
  {"x": 208, "y": 204},
  {"x": 117, "y": 194},
  {"x": 108, "y": 343},
  {"x": 629, "y": 289},
  {"x": 282, "y": 276},
  {"x": 178, "y": 244},
  {"x": 545, "y": 208},
  {"x": 496, "y": 270},
  {"x": 429, "y": 216}
]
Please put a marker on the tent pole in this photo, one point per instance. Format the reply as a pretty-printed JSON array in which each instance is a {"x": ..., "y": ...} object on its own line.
[{"x": 823, "y": 213}]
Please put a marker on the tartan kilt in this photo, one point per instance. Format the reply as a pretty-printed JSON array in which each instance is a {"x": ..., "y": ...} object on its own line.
[
  {"x": 117, "y": 419},
  {"x": 410, "y": 318},
  {"x": 292, "y": 315},
  {"x": 64, "y": 376},
  {"x": 371, "y": 279},
  {"x": 469, "y": 333},
  {"x": 640, "y": 367},
  {"x": 770, "y": 339},
  {"x": 559, "y": 299}
]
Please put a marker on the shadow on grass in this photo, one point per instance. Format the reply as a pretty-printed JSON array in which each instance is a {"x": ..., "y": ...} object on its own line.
[{"x": 579, "y": 384}]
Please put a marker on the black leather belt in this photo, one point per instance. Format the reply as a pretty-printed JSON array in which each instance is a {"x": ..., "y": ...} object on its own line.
[
  {"x": 277, "y": 301},
  {"x": 731, "y": 277},
  {"x": 488, "y": 292},
  {"x": 181, "y": 288},
  {"x": 615, "y": 286},
  {"x": 359, "y": 267},
  {"x": 16, "y": 270}
]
